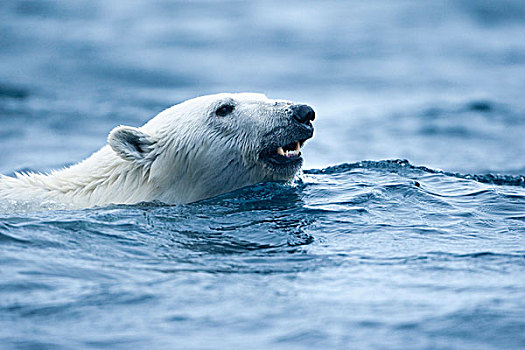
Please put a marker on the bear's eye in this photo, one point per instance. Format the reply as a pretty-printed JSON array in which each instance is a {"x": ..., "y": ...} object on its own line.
[{"x": 224, "y": 110}]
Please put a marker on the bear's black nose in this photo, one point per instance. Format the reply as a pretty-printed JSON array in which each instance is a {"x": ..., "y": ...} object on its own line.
[{"x": 303, "y": 113}]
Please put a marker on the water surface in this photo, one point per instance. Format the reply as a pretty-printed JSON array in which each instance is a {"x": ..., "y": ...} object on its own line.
[{"x": 373, "y": 254}]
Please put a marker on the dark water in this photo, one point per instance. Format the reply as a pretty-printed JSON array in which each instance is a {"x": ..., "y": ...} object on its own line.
[
  {"x": 355, "y": 254},
  {"x": 367, "y": 255}
]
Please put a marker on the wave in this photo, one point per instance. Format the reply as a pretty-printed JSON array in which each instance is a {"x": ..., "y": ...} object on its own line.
[{"x": 404, "y": 167}]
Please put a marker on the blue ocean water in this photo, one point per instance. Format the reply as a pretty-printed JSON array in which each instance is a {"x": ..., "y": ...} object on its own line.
[{"x": 359, "y": 252}]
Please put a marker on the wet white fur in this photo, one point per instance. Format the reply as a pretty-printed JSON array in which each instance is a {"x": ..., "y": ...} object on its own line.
[{"x": 187, "y": 153}]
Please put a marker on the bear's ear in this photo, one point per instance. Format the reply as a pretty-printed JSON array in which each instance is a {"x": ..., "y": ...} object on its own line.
[{"x": 132, "y": 144}]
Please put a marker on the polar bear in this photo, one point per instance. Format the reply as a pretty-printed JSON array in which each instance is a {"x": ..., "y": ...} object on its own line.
[{"x": 194, "y": 150}]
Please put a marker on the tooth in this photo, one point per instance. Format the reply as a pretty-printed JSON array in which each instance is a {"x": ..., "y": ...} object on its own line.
[
  {"x": 297, "y": 146},
  {"x": 280, "y": 151}
]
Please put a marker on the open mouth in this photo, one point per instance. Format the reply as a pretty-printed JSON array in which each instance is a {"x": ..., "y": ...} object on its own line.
[
  {"x": 282, "y": 154},
  {"x": 285, "y": 155},
  {"x": 291, "y": 150}
]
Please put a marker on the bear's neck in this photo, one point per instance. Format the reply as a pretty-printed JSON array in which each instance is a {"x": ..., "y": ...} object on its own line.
[
  {"x": 105, "y": 178},
  {"x": 101, "y": 179}
]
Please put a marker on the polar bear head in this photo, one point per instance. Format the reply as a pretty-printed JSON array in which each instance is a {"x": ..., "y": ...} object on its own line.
[{"x": 215, "y": 144}]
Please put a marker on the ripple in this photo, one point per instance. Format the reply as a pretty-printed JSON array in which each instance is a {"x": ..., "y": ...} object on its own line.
[
  {"x": 403, "y": 167},
  {"x": 361, "y": 234}
]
